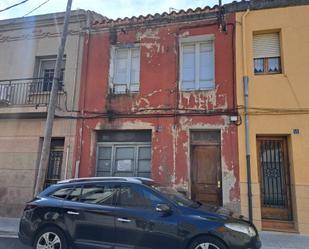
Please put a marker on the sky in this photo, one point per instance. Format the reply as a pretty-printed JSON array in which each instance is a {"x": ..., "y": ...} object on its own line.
[{"x": 110, "y": 8}]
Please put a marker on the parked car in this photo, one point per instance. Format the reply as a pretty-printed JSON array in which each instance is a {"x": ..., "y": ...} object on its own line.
[{"x": 128, "y": 212}]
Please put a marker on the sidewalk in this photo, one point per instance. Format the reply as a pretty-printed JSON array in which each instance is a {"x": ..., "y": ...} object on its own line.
[
  {"x": 270, "y": 240},
  {"x": 273, "y": 240},
  {"x": 9, "y": 227}
]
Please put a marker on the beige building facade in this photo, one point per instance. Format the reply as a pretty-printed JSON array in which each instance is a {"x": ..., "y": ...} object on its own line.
[
  {"x": 273, "y": 57},
  {"x": 28, "y": 49}
]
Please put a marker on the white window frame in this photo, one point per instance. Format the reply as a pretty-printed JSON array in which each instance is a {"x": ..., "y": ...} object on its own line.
[
  {"x": 113, "y": 67},
  {"x": 40, "y": 72},
  {"x": 196, "y": 40}
]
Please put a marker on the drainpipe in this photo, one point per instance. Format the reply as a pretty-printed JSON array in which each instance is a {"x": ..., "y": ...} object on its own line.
[{"x": 246, "y": 99}]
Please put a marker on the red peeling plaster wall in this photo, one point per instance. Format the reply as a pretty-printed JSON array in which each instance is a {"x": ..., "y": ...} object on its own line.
[{"x": 158, "y": 100}]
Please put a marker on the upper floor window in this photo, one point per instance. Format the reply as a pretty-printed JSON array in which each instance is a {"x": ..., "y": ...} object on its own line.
[
  {"x": 46, "y": 74},
  {"x": 197, "y": 63},
  {"x": 266, "y": 53},
  {"x": 125, "y": 70}
]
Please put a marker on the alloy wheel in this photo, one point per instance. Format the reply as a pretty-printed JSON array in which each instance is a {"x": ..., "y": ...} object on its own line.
[
  {"x": 206, "y": 246},
  {"x": 49, "y": 240}
]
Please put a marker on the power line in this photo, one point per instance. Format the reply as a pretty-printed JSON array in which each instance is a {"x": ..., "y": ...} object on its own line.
[
  {"x": 36, "y": 7},
  {"x": 14, "y": 5}
]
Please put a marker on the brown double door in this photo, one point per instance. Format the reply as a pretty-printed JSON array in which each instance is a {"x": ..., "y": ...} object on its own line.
[
  {"x": 274, "y": 175},
  {"x": 206, "y": 184}
]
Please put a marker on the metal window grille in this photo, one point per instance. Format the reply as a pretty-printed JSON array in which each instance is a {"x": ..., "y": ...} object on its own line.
[
  {"x": 54, "y": 167},
  {"x": 273, "y": 174}
]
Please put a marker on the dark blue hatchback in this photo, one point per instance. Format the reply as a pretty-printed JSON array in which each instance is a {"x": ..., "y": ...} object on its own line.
[{"x": 128, "y": 213}]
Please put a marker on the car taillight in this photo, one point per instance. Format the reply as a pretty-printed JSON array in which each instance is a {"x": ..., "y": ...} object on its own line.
[{"x": 30, "y": 206}]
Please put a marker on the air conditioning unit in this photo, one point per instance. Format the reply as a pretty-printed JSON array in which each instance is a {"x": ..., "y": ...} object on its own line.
[{"x": 5, "y": 94}]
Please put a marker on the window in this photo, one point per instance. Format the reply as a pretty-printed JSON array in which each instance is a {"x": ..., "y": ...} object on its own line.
[
  {"x": 152, "y": 198},
  {"x": 98, "y": 194},
  {"x": 124, "y": 153},
  {"x": 124, "y": 160},
  {"x": 53, "y": 174},
  {"x": 61, "y": 193},
  {"x": 266, "y": 53},
  {"x": 197, "y": 63},
  {"x": 130, "y": 197},
  {"x": 125, "y": 70},
  {"x": 74, "y": 194},
  {"x": 46, "y": 74}
]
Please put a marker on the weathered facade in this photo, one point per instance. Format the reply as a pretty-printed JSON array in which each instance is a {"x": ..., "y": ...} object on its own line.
[
  {"x": 277, "y": 111},
  {"x": 158, "y": 100},
  {"x": 28, "y": 49}
]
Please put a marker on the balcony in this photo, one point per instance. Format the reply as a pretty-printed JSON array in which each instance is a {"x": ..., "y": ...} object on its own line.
[{"x": 26, "y": 95}]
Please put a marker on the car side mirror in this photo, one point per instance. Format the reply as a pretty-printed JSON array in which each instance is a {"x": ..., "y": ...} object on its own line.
[{"x": 163, "y": 209}]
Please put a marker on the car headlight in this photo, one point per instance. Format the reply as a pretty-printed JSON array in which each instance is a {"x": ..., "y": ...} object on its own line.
[{"x": 241, "y": 228}]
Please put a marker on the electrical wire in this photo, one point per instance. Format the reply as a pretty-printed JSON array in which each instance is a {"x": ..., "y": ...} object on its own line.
[
  {"x": 14, "y": 5},
  {"x": 279, "y": 111},
  {"x": 36, "y": 7}
]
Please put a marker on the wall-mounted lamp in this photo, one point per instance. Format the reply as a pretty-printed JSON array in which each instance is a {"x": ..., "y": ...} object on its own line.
[{"x": 235, "y": 119}]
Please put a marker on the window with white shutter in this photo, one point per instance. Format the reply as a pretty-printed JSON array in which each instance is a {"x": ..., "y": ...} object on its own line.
[
  {"x": 125, "y": 70},
  {"x": 197, "y": 63},
  {"x": 266, "y": 53}
]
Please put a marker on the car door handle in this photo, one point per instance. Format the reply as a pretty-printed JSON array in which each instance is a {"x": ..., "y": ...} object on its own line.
[
  {"x": 73, "y": 213},
  {"x": 123, "y": 220}
]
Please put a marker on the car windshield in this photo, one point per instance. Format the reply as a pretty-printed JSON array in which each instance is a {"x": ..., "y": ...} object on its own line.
[{"x": 176, "y": 197}]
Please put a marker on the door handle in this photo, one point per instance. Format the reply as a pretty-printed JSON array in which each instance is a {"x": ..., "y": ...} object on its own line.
[
  {"x": 72, "y": 212},
  {"x": 123, "y": 220},
  {"x": 219, "y": 184}
]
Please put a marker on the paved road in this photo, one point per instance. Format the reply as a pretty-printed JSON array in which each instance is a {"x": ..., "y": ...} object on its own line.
[
  {"x": 269, "y": 240},
  {"x": 11, "y": 244}
]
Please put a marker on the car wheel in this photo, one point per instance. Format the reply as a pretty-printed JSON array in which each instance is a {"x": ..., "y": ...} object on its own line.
[
  {"x": 207, "y": 242},
  {"x": 50, "y": 238}
]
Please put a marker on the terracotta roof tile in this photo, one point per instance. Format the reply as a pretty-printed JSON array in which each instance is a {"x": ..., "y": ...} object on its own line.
[{"x": 105, "y": 22}]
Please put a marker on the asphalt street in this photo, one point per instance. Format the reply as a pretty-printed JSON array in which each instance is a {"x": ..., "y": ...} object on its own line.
[
  {"x": 6, "y": 243},
  {"x": 269, "y": 241}
]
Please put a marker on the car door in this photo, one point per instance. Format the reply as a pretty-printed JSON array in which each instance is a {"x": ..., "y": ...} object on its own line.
[
  {"x": 139, "y": 225},
  {"x": 90, "y": 217}
]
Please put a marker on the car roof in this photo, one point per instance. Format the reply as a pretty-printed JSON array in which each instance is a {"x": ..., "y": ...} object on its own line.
[
  {"x": 83, "y": 180},
  {"x": 139, "y": 180}
]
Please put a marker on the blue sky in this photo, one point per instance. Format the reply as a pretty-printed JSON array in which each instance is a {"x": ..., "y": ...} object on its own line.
[{"x": 110, "y": 8}]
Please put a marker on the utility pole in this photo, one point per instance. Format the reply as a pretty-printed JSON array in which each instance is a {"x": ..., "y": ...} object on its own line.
[{"x": 52, "y": 105}]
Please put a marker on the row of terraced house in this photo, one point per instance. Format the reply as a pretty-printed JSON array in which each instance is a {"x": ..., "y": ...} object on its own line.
[{"x": 213, "y": 101}]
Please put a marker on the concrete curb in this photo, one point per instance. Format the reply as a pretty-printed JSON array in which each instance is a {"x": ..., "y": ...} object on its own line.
[
  {"x": 8, "y": 235},
  {"x": 9, "y": 227}
]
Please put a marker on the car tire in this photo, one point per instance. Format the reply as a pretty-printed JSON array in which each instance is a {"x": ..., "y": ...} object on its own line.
[
  {"x": 51, "y": 236},
  {"x": 208, "y": 242}
]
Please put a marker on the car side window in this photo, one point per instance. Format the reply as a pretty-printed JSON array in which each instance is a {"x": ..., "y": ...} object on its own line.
[
  {"x": 61, "y": 193},
  {"x": 102, "y": 194},
  {"x": 152, "y": 198},
  {"x": 74, "y": 194},
  {"x": 130, "y": 196}
]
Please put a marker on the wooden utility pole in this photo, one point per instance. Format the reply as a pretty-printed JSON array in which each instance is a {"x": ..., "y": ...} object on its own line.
[{"x": 52, "y": 106}]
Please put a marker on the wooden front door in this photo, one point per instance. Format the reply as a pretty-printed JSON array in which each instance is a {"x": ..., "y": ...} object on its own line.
[
  {"x": 206, "y": 172},
  {"x": 274, "y": 174}
]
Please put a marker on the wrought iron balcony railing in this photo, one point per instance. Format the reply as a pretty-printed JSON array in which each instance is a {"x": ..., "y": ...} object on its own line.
[{"x": 26, "y": 92}]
